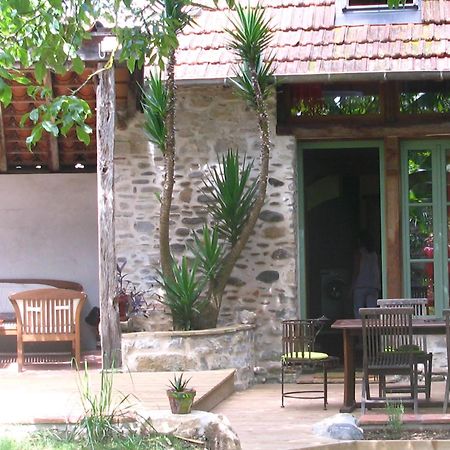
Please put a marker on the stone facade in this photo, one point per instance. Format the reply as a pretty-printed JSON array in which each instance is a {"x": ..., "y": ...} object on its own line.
[
  {"x": 172, "y": 351},
  {"x": 209, "y": 120}
]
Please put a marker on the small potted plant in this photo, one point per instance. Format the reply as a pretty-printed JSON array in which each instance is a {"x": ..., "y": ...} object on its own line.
[{"x": 180, "y": 395}]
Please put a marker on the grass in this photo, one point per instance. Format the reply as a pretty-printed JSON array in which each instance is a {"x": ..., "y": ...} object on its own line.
[
  {"x": 52, "y": 440},
  {"x": 105, "y": 425}
]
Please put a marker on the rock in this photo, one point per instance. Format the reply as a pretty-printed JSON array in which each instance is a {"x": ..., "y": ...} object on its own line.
[
  {"x": 274, "y": 232},
  {"x": 247, "y": 317},
  {"x": 339, "y": 426},
  {"x": 214, "y": 429},
  {"x": 275, "y": 183},
  {"x": 271, "y": 216},
  {"x": 281, "y": 253},
  {"x": 345, "y": 432},
  {"x": 268, "y": 276}
]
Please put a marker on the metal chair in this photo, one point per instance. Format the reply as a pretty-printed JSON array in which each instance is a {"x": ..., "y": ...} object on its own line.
[
  {"x": 298, "y": 342},
  {"x": 446, "y": 314},
  {"x": 387, "y": 350},
  {"x": 423, "y": 357}
]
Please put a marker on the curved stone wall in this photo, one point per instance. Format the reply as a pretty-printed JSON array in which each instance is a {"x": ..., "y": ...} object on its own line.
[
  {"x": 218, "y": 348},
  {"x": 209, "y": 120}
]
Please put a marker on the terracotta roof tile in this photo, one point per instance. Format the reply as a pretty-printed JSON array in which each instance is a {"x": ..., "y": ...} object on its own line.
[{"x": 306, "y": 41}]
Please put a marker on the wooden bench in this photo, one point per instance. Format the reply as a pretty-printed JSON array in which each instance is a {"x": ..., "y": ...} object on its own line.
[{"x": 48, "y": 315}]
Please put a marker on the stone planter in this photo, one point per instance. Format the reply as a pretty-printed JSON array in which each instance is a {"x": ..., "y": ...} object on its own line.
[{"x": 181, "y": 351}]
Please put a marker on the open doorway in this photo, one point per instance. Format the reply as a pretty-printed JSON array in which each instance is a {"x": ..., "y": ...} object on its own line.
[{"x": 342, "y": 197}]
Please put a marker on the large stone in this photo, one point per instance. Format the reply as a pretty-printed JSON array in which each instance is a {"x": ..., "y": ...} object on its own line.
[
  {"x": 274, "y": 232},
  {"x": 271, "y": 216},
  {"x": 268, "y": 276},
  {"x": 339, "y": 426},
  {"x": 213, "y": 429},
  {"x": 281, "y": 253}
]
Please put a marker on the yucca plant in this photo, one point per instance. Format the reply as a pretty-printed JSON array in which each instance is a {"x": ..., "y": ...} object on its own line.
[
  {"x": 178, "y": 383},
  {"x": 183, "y": 292},
  {"x": 154, "y": 104},
  {"x": 233, "y": 194}
]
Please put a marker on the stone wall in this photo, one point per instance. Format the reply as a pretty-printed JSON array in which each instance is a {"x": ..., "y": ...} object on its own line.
[
  {"x": 211, "y": 119},
  {"x": 168, "y": 351}
]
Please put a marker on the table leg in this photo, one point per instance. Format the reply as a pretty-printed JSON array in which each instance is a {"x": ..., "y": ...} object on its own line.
[{"x": 349, "y": 373}]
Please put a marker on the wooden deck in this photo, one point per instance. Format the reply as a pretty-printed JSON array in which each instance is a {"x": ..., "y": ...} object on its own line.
[{"x": 49, "y": 392}]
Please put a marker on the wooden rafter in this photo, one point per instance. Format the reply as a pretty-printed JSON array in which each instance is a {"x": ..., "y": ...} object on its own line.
[
  {"x": 53, "y": 157},
  {"x": 3, "y": 161}
]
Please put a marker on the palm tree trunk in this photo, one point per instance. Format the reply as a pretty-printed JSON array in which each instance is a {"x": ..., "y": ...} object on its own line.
[{"x": 169, "y": 171}]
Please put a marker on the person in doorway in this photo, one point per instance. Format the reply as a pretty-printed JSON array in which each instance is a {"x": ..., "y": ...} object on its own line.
[{"x": 366, "y": 274}]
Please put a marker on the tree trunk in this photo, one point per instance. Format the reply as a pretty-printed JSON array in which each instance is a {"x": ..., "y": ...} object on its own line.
[
  {"x": 169, "y": 171},
  {"x": 109, "y": 314}
]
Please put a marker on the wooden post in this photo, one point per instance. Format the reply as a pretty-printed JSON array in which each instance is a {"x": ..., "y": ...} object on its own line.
[
  {"x": 109, "y": 314},
  {"x": 393, "y": 217}
]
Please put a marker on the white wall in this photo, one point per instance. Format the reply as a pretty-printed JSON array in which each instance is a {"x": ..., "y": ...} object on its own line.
[{"x": 48, "y": 229}]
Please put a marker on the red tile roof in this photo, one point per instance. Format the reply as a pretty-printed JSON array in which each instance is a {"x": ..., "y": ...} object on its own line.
[{"x": 307, "y": 42}]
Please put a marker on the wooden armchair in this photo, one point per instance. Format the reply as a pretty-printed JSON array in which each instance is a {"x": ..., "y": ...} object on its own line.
[
  {"x": 423, "y": 356},
  {"x": 388, "y": 350},
  {"x": 48, "y": 315}
]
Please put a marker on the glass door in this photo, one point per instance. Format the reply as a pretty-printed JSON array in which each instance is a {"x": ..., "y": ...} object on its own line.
[{"x": 426, "y": 181}]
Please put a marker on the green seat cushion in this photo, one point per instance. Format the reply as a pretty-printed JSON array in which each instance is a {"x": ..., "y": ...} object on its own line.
[
  {"x": 305, "y": 356},
  {"x": 406, "y": 349}
]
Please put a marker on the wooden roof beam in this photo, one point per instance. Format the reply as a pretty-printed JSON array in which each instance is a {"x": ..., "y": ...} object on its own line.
[
  {"x": 3, "y": 160},
  {"x": 53, "y": 156}
]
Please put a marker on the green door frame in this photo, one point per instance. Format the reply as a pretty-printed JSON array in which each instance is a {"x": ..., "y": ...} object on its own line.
[
  {"x": 438, "y": 148},
  {"x": 301, "y": 262}
]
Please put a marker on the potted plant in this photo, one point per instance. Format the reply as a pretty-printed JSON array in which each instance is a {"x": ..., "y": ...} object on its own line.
[
  {"x": 181, "y": 397},
  {"x": 130, "y": 299}
]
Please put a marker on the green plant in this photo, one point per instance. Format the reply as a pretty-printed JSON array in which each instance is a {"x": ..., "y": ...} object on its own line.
[
  {"x": 178, "y": 384},
  {"x": 183, "y": 292},
  {"x": 395, "y": 423},
  {"x": 100, "y": 422},
  {"x": 233, "y": 194}
]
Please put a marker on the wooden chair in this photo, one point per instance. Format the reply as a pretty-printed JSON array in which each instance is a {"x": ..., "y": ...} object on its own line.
[
  {"x": 423, "y": 357},
  {"x": 298, "y": 339},
  {"x": 48, "y": 315},
  {"x": 387, "y": 350},
  {"x": 446, "y": 314}
]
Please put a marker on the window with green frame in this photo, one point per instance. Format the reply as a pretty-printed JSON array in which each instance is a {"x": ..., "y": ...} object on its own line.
[{"x": 426, "y": 213}]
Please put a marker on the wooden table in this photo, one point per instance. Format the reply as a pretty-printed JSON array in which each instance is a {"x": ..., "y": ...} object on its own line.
[{"x": 351, "y": 329}]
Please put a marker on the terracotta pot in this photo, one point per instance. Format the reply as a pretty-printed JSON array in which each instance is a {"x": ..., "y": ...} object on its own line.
[
  {"x": 123, "y": 301},
  {"x": 181, "y": 402}
]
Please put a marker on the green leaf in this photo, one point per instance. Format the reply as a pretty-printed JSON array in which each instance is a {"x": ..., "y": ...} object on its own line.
[
  {"x": 40, "y": 71},
  {"x": 22, "y": 6},
  {"x": 50, "y": 127},
  {"x": 78, "y": 65},
  {"x": 5, "y": 93},
  {"x": 82, "y": 135}
]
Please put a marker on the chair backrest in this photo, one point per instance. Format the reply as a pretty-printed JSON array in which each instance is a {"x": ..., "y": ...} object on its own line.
[
  {"x": 298, "y": 336},
  {"x": 446, "y": 314},
  {"x": 385, "y": 331},
  {"x": 419, "y": 304},
  {"x": 48, "y": 311}
]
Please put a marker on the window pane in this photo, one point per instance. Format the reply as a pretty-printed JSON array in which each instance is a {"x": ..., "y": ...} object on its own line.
[
  {"x": 422, "y": 281},
  {"x": 419, "y": 179},
  {"x": 318, "y": 100},
  {"x": 423, "y": 98},
  {"x": 421, "y": 232}
]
